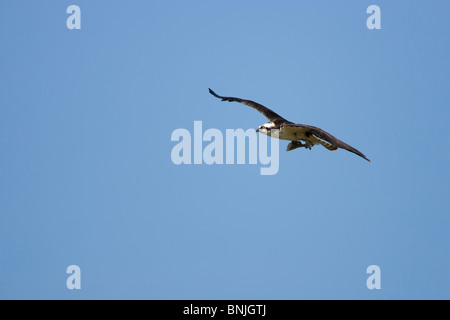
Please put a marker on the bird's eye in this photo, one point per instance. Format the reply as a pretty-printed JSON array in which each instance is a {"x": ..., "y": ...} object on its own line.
[{"x": 261, "y": 127}]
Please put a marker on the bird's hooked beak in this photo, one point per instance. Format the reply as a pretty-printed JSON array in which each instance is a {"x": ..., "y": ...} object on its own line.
[{"x": 257, "y": 130}]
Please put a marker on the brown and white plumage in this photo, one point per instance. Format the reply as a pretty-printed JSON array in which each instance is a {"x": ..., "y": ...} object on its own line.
[{"x": 292, "y": 131}]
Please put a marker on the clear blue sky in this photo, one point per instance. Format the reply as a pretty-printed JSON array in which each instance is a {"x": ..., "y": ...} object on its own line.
[{"x": 86, "y": 176}]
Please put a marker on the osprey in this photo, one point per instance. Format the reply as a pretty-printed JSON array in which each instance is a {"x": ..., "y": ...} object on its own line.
[{"x": 293, "y": 132}]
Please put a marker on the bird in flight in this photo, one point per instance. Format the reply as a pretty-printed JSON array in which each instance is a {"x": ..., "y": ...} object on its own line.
[{"x": 294, "y": 132}]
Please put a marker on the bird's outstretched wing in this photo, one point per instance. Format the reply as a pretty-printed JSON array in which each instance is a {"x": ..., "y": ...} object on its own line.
[
  {"x": 269, "y": 114},
  {"x": 323, "y": 135}
]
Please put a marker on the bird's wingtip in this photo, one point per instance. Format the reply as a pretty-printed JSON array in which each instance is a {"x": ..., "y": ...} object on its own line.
[{"x": 214, "y": 94}]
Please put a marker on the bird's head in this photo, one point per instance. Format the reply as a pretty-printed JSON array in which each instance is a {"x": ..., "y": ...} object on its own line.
[{"x": 265, "y": 128}]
